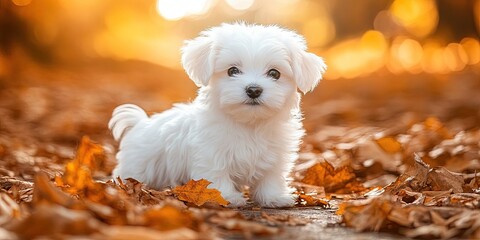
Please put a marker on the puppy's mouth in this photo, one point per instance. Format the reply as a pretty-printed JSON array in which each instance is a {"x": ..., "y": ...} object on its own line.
[{"x": 252, "y": 102}]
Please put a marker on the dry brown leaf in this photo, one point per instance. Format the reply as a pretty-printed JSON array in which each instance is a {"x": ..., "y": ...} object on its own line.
[
  {"x": 468, "y": 200},
  {"x": 9, "y": 209},
  {"x": 440, "y": 179},
  {"x": 371, "y": 150},
  {"x": 333, "y": 180},
  {"x": 20, "y": 191},
  {"x": 383, "y": 213},
  {"x": 425, "y": 178},
  {"x": 46, "y": 193},
  {"x": 436, "y": 198},
  {"x": 474, "y": 184},
  {"x": 55, "y": 220},
  {"x": 312, "y": 200},
  {"x": 140, "y": 193},
  {"x": 367, "y": 216},
  {"x": 196, "y": 192},
  {"x": 432, "y": 231}
]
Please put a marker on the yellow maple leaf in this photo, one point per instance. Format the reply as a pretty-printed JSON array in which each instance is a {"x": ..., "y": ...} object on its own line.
[
  {"x": 78, "y": 172},
  {"x": 196, "y": 192}
]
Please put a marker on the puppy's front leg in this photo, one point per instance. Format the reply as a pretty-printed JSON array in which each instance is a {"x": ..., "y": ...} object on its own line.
[
  {"x": 273, "y": 191},
  {"x": 224, "y": 184}
]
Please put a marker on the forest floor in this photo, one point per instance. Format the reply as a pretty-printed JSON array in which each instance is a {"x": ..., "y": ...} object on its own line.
[{"x": 391, "y": 154}]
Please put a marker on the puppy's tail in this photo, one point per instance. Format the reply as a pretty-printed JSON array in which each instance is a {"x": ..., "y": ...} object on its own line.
[{"x": 124, "y": 117}]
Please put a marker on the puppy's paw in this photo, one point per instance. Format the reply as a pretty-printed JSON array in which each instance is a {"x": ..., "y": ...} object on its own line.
[
  {"x": 236, "y": 200},
  {"x": 282, "y": 200}
]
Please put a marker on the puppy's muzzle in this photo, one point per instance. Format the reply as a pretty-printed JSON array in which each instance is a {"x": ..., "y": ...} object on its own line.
[{"x": 253, "y": 91}]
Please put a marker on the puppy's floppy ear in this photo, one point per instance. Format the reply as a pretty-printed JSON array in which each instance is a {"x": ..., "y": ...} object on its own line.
[
  {"x": 197, "y": 59},
  {"x": 308, "y": 69}
]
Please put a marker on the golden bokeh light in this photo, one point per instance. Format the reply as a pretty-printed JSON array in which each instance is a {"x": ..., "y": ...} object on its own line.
[
  {"x": 408, "y": 52},
  {"x": 178, "y": 9},
  {"x": 472, "y": 49},
  {"x": 455, "y": 57},
  {"x": 357, "y": 57},
  {"x": 418, "y": 17},
  {"x": 401, "y": 37},
  {"x": 432, "y": 60}
]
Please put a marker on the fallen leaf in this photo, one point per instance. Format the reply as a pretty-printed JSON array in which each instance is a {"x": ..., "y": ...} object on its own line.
[
  {"x": 9, "y": 209},
  {"x": 389, "y": 144},
  {"x": 54, "y": 220},
  {"x": 196, "y": 192},
  {"x": 323, "y": 174},
  {"x": 368, "y": 216},
  {"x": 20, "y": 191},
  {"x": 77, "y": 178},
  {"x": 381, "y": 152},
  {"x": 46, "y": 193},
  {"x": 441, "y": 179},
  {"x": 312, "y": 200},
  {"x": 168, "y": 218},
  {"x": 432, "y": 231}
]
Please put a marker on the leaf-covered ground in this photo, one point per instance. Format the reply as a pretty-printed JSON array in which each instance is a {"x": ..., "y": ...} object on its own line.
[{"x": 399, "y": 157}]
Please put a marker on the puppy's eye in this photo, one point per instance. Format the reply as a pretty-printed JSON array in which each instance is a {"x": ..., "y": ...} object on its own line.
[
  {"x": 233, "y": 71},
  {"x": 273, "y": 73}
]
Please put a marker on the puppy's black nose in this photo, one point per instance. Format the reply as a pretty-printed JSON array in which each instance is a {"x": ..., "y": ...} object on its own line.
[{"x": 254, "y": 91}]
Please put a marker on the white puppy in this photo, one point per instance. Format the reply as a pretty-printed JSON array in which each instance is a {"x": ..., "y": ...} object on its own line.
[{"x": 244, "y": 127}]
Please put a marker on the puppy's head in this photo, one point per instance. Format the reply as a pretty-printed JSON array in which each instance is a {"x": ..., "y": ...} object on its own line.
[{"x": 252, "y": 71}]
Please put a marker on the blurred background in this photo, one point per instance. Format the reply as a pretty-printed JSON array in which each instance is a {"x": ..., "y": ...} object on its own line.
[{"x": 65, "y": 64}]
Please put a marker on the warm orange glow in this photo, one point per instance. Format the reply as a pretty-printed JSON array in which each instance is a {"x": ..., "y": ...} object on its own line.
[
  {"x": 3, "y": 65},
  {"x": 319, "y": 31},
  {"x": 432, "y": 60},
  {"x": 374, "y": 47},
  {"x": 455, "y": 57},
  {"x": 129, "y": 36},
  {"x": 357, "y": 57},
  {"x": 476, "y": 12},
  {"x": 472, "y": 49},
  {"x": 21, "y": 2},
  {"x": 240, "y": 4},
  {"x": 418, "y": 17},
  {"x": 408, "y": 53},
  {"x": 401, "y": 39}
]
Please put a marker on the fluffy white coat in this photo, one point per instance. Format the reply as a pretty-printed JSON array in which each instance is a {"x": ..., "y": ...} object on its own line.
[{"x": 224, "y": 135}]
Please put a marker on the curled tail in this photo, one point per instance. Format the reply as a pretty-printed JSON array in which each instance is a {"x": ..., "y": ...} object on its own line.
[{"x": 123, "y": 118}]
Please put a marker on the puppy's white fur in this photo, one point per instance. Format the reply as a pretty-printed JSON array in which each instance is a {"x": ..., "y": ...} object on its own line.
[{"x": 219, "y": 136}]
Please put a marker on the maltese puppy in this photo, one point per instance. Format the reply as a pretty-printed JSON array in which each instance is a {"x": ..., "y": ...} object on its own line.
[{"x": 243, "y": 128}]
